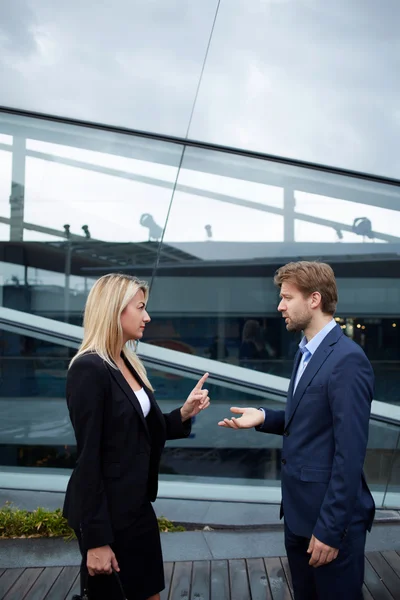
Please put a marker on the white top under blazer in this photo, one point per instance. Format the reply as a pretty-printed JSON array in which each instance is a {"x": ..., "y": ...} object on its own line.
[{"x": 144, "y": 400}]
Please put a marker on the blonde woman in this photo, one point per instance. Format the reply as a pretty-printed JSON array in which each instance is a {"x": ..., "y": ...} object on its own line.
[{"x": 120, "y": 433}]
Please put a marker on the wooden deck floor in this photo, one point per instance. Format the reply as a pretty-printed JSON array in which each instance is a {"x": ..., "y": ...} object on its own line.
[{"x": 251, "y": 579}]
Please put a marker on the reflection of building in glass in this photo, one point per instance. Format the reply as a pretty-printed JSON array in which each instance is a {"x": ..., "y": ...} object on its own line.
[{"x": 189, "y": 199}]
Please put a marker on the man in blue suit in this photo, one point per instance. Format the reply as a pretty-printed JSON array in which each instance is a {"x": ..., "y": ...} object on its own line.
[{"x": 326, "y": 502}]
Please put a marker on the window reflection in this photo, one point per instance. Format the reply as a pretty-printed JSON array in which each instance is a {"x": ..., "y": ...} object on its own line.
[
  {"x": 94, "y": 202},
  {"x": 221, "y": 299}
]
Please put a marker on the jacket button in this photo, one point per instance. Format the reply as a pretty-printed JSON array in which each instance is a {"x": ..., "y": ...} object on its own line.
[
  {"x": 283, "y": 461},
  {"x": 286, "y": 433}
]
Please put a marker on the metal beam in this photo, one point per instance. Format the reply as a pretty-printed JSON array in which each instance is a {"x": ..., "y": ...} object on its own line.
[
  {"x": 336, "y": 225},
  {"x": 17, "y": 196},
  {"x": 300, "y": 186}
]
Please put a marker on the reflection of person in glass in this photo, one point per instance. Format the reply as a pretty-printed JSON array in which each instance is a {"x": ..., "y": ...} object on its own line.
[
  {"x": 218, "y": 349},
  {"x": 254, "y": 346},
  {"x": 120, "y": 433},
  {"x": 326, "y": 502}
]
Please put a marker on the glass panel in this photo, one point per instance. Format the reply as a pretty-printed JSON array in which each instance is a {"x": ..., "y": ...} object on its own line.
[
  {"x": 133, "y": 64},
  {"x": 95, "y": 201},
  {"x": 77, "y": 186},
  {"x": 391, "y": 497},
  {"x": 237, "y": 219},
  {"x": 35, "y": 430},
  {"x": 233, "y": 221},
  {"x": 5, "y": 187},
  {"x": 34, "y": 424},
  {"x": 213, "y": 454},
  {"x": 305, "y": 79}
]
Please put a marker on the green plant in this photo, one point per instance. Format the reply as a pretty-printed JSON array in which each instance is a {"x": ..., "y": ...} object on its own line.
[
  {"x": 164, "y": 525},
  {"x": 16, "y": 523},
  {"x": 39, "y": 523}
]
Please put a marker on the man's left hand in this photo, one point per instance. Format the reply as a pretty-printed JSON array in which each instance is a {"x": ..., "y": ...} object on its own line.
[{"x": 321, "y": 554}]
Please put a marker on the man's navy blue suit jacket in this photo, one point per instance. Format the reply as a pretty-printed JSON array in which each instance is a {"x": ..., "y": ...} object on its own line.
[{"x": 325, "y": 429}]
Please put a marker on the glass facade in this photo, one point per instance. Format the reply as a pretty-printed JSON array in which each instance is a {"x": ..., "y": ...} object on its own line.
[
  {"x": 207, "y": 229},
  {"x": 297, "y": 78}
]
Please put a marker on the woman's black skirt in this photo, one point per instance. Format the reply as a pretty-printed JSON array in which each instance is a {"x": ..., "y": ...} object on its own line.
[{"x": 138, "y": 552}]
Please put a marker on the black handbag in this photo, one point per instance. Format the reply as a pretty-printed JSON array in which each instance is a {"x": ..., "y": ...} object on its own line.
[{"x": 85, "y": 595}]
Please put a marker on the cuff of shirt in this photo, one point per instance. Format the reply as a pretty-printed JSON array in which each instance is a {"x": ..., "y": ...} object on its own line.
[{"x": 259, "y": 427}]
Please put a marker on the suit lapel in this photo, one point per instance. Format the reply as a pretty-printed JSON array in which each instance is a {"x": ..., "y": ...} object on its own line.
[
  {"x": 154, "y": 406},
  {"x": 155, "y": 409},
  {"x": 126, "y": 388},
  {"x": 316, "y": 362}
]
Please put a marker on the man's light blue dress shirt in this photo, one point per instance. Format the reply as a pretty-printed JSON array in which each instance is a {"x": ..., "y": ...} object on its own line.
[{"x": 309, "y": 348}]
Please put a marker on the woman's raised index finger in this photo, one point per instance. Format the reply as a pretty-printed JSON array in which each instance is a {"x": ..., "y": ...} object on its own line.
[{"x": 201, "y": 382}]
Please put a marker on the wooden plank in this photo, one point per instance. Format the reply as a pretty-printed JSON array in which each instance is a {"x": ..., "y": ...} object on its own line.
[
  {"x": 23, "y": 584},
  {"x": 8, "y": 579},
  {"x": 286, "y": 568},
  {"x": 258, "y": 579},
  {"x": 386, "y": 573},
  {"x": 75, "y": 589},
  {"x": 239, "y": 580},
  {"x": 181, "y": 579},
  {"x": 374, "y": 584},
  {"x": 255, "y": 579},
  {"x": 277, "y": 579},
  {"x": 43, "y": 583},
  {"x": 200, "y": 580},
  {"x": 168, "y": 571},
  {"x": 220, "y": 580},
  {"x": 366, "y": 593},
  {"x": 62, "y": 585},
  {"x": 393, "y": 559}
]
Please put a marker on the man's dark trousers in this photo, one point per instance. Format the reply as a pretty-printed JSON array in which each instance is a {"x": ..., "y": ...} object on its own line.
[{"x": 342, "y": 579}]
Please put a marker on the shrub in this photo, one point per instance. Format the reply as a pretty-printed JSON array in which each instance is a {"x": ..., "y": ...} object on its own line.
[{"x": 16, "y": 523}]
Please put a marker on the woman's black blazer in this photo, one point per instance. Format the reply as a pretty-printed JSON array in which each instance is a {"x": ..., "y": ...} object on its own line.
[{"x": 118, "y": 449}]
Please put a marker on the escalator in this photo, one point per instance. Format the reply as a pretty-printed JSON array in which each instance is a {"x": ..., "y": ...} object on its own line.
[{"x": 37, "y": 448}]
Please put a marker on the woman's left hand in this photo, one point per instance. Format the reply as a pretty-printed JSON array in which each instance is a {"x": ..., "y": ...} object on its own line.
[{"x": 197, "y": 400}]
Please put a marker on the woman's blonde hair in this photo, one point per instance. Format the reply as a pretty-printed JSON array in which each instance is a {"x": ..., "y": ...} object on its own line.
[{"x": 102, "y": 330}]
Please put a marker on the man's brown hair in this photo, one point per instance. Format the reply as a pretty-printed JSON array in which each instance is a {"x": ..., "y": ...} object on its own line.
[{"x": 311, "y": 277}]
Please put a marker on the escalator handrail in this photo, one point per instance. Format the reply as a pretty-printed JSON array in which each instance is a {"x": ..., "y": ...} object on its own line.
[{"x": 248, "y": 380}]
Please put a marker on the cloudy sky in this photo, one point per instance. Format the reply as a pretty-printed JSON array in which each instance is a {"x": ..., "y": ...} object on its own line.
[{"x": 306, "y": 79}]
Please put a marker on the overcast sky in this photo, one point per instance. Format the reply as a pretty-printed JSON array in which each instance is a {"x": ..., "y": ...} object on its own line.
[{"x": 306, "y": 79}]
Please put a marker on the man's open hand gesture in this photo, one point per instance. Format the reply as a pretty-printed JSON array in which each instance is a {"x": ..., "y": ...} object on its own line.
[{"x": 251, "y": 417}]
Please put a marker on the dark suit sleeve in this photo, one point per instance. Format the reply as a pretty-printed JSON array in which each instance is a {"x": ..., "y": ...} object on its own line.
[
  {"x": 274, "y": 422},
  {"x": 350, "y": 392},
  {"x": 87, "y": 385},
  {"x": 176, "y": 429}
]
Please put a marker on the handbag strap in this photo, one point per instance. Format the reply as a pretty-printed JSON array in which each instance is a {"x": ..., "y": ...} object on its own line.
[
  {"x": 120, "y": 585},
  {"x": 86, "y": 586}
]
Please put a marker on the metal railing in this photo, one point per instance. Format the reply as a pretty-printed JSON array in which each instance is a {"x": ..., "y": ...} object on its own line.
[{"x": 260, "y": 384}]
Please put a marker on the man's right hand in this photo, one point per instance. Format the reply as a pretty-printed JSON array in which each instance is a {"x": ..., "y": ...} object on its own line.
[
  {"x": 101, "y": 561},
  {"x": 251, "y": 417}
]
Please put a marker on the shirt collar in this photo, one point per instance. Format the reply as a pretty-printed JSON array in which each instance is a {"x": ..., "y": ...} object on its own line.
[{"x": 313, "y": 344}]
